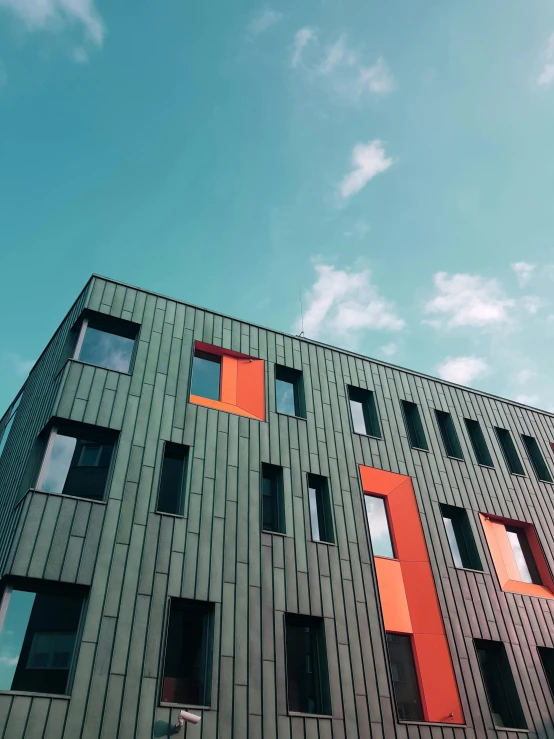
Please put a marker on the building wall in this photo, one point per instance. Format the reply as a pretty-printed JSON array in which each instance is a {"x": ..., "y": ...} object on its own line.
[{"x": 133, "y": 558}]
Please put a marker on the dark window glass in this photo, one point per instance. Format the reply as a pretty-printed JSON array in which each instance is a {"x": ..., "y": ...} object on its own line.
[
  {"x": 404, "y": 677},
  {"x": 7, "y": 422},
  {"x": 289, "y": 396},
  {"x": 537, "y": 460},
  {"x": 38, "y": 638},
  {"x": 364, "y": 411},
  {"x": 523, "y": 555},
  {"x": 206, "y": 375},
  {"x": 509, "y": 450},
  {"x": 272, "y": 499},
  {"x": 320, "y": 509},
  {"x": 499, "y": 683},
  {"x": 449, "y": 435},
  {"x": 379, "y": 529},
  {"x": 414, "y": 427},
  {"x": 108, "y": 343},
  {"x": 172, "y": 481},
  {"x": 307, "y": 679},
  {"x": 460, "y": 538},
  {"x": 188, "y": 653},
  {"x": 547, "y": 658},
  {"x": 478, "y": 442}
]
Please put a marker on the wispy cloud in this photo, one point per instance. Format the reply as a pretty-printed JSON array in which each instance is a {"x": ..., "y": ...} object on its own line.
[
  {"x": 336, "y": 54},
  {"x": 263, "y": 20},
  {"x": 376, "y": 79},
  {"x": 546, "y": 75},
  {"x": 52, "y": 15},
  {"x": 358, "y": 230},
  {"x": 18, "y": 364},
  {"x": 368, "y": 160},
  {"x": 527, "y": 399},
  {"x": 301, "y": 39},
  {"x": 523, "y": 376},
  {"x": 523, "y": 272},
  {"x": 388, "y": 350},
  {"x": 531, "y": 304},
  {"x": 462, "y": 370}
]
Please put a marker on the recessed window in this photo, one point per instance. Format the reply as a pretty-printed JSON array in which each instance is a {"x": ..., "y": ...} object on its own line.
[
  {"x": 537, "y": 460},
  {"x": 500, "y": 686},
  {"x": 449, "y": 436},
  {"x": 509, "y": 450},
  {"x": 460, "y": 538},
  {"x": 523, "y": 555},
  {"x": 404, "y": 677},
  {"x": 320, "y": 509},
  {"x": 77, "y": 461},
  {"x": 188, "y": 653},
  {"x": 414, "y": 427},
  {"x": 379, "y": 529},
  {"x": 172, "y": 481},
  {"x": 206, "y": 375},
  {"x": 38, "y": 637},
  {"x": 273, "y": 518},
  {"x": 289, "y": 394},
  {"x": 307, "y": 678},
  {"x": 107, "y": 342},
  {"x": 364, "y": 411},
  {"x": 547, "y": 658},
  {"x": 7, "y": 422},
  {"x": 478, "y": 442}
]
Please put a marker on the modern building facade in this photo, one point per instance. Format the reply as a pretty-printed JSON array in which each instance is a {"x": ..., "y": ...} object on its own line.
[{"x": 291, "y": 540}]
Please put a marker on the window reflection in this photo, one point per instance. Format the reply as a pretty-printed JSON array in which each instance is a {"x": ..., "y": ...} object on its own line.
[
  {"x": 379, "y": 526},
  {"x": 106, "y": 349},
  {"x": 206, "y": 375},
  {"x": 284, "y": 392}
]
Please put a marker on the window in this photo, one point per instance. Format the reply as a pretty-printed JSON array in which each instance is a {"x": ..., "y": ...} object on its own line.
[
  {"x": 307, "y": 679},
  {"x": 404, "y": 677},
  {"x": 449, "y": 435},
  {"x": 106, "y": 342},
  {"x": 508, "y": 448},
  {"x": 499, "y": 684},
  {"x": 188, "y": 653},
  {"x": 7, "y": 422},
  {"x": 289, "y": 396},
  {"x": 414, "y": 427},
  {"x": 38, "y": 637},
  {"x": 478, "y": 442},
  {"x": 460, "y": 538},
  {"x": 320, "y": 509},
  {"x": 364, "y": 411},
  {"x": 523, "y": 556},
  {"x": 173, "y": 477},
  {"x": 547, "y": 658},
  {"x": 379, "y": 529},
  {"x": 77, "y": 461},
  {"x": 206, "y": 375},
  {"x": 273, "y": 518},
  {"x": 537, "y": 460}
]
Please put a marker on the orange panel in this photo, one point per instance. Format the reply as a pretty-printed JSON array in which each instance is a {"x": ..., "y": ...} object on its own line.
[
  {"x": 229, "y": 367},
  {"x": 439, "y": 692},
  {"x": 251, "y": 386},
  {"x": 393, "y": 596},
  {"x": 496, "y": 553},
  {"x": 219, "y": 406},
  {"x": 422, "y": 599},
  {"x": 539, "y": 558},
  {"x": 379, "y": 481},
  {"x": 506, "y": 551},
  {"x": 527, "y": 588},
  {"x": 407, "y": 534},
  {"x": 218, "y": 350}
]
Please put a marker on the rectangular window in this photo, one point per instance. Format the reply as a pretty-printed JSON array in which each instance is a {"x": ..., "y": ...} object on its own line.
[
  {"x": 307, "y": 679},
  {"x": 449, "y": 436},
  {"x": 289, "y": 394},
  {"x": 188, "y": 653},
  {"x": 77, "y": 461},
  {"x": 460, "y": 538},
  {"x": 509, "y": 450},
  {"x": 499, "y": 684},
  {"x": 364, "y": 411},
  {"x": 320, "y": 509},
  {"x": 404, "y": 677},
  {"x": 537, "y": 460},
  {"x": 547, "y": 658},
  {"x": 379, "y": 529},
  {"x": 38, "y": 637},
  {"x": 172, "y": 481},
  {"x": 7, "y": 422},
  {"x": 523, "y": 555},
  {"x": 478, "y": 442},
  {"x": 273, "y": 518},
  {"x": 414, "y": 427},
  {"x": 106, "y": 342},
  {"x": 206, "y": 375}
]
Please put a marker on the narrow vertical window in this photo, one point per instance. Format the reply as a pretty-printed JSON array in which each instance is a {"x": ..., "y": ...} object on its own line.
[
  {"x": 364, "y": 411},
  {"x": 289, "y": 393},
  {"x": 509, "y": 450},
  {"x": 414, "y": 427},
  {"x": 379, "y": 529},
  {"x": 449, "y": 435},
  {"x": 273, "y": 518},
  {"x": 478, "y": 442},
  {"x": 307, "y": 678},
  {"x": 499, "y": 684},
  {"x": 537, "y": 460},
  {"x": 547, "y": 658},
  {"x": 7, "y": 422},
  {"x": 188, "y": 653},
  {"x": 460, "y": 538},
  {"x": 172, "y": 480},
  {"x": 404, "y": 677},
  {"x": 206, "y": 375},
  {"x": 523, "y": 555},
  {"x": 320, "y": 509}
]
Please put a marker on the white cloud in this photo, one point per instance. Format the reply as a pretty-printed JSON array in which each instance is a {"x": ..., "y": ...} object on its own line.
[
  {"x": 335, "y": 55},
  {"x": 546, "y": 75},
  {"x": 376, "y": 79},
  {"x": 523, "y": 271},
  {"x": 527, "y": 399},
  {"x": 18, "y": 364},
  {"x": 368, "y": 161},
  {"x": 343, "y": 302},
  {"x": 264, "y": 20},
  {"x": 523, "y": 376},
  {"x": 531, "y": 304},
  {"x": 40, "y": 15},
  {"x": 462, "y": 370},
  {"x": 301, "y": 39},
  {"x": 468, "y": 300},
  {"x": 388, "y": 350}
]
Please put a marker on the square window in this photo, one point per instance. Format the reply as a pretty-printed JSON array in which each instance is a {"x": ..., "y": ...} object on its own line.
[
  {"x": 106, "y": 342},
  {"x": 206, "y": 375},
  {"x": 307, "y": 677},
  {"x": 320, "y": 509},
  {"x": 364, "y": 411},
  {"x": 379, "y": 528},
  {"x": 289, "y": 392}
]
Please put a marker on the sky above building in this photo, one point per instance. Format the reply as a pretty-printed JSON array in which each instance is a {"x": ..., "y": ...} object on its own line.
[{"x": 391, "y": 163}]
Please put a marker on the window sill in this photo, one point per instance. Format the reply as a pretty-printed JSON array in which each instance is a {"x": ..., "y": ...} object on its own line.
[
  {"x": 288, "y": 415},
  {"x": 517, "y": 474},
  {"x": 546, "y": 482},
  {"x": 390, "y": 559},
  {"x": 470, "y": 569},
  {"x": 276, "y": 533},
  {"x": 99, "y": 366},
  {"x": 486, "y": 466},
  {"x": 456, "y": 459},
  {"x": 186, "y": 706},
  {"x": 506, "y": 728},
  {"x": 367, "y": 436},
  {"x": 32, "y": 694},
  {"x": 60, "y": 495},
  {"x": 328, "y": 716},
  {"x": 432, "y": 723},
  {"x": 419, "y": 449},
  {"x": 171, "y": 515},
  {"x": 326, "y": 543}
]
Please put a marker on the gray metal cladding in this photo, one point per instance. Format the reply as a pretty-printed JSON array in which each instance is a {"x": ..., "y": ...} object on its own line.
[{"x": 134, "y": 559}]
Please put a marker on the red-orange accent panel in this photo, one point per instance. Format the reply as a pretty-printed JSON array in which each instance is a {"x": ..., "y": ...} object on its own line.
[
  {"x": 436, "y": 678},
  {"x": 251, "y": 386},
  {"x": 394, "y": 605},
  {"x": 422, "y": 598}
]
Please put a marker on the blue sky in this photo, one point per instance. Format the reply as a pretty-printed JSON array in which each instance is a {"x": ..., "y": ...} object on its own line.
[{"x": 390, "y": 161}]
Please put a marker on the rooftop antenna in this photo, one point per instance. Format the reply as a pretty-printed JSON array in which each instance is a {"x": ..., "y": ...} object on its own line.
[{"x": 301, "y": 311}]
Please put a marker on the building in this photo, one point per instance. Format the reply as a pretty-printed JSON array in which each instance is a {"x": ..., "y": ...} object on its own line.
[{"x": 292, "y": 540}]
